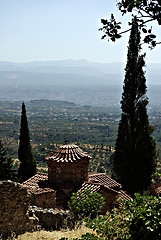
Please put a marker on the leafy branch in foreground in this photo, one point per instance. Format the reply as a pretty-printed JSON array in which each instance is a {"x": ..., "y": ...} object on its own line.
[{"x": 146, "y": 11}]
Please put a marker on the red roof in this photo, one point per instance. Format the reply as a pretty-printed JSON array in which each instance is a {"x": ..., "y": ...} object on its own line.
[
  {"x": 33, "y": 181},
  {"x": 38, "y": 184},
  {"x": 124, "y": 195},
  {"x": 67, "y": 153},
  {"x": 104, "y": 179},
  {"x": 33, "y": 184},
  {"x": 158, "y": 190},
  {"x": 93, "y": 187}
]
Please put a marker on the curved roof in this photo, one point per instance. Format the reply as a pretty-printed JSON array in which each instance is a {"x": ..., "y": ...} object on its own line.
[{"x": 68, "y": 153}]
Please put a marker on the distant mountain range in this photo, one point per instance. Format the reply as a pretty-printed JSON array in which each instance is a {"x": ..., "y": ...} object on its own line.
[
  {"x": 60, "y": 72},
  {"x": 65, "y": 79},
  {"x": 74, "y": 71}
]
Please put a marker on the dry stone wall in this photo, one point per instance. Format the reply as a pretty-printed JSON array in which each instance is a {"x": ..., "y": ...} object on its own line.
[
  {"x": 14, "y": 204},
  {"x": 52, "y": 219}
]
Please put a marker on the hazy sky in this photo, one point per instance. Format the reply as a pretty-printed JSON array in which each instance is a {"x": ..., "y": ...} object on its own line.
[{"x": 61, "y": 29}]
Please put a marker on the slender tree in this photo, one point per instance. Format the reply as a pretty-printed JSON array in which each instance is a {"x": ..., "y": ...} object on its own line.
[
  {"x": 6, "y": 164},
  {"x": 135, "y": 155},
  {"x": 27, "y": 162}
]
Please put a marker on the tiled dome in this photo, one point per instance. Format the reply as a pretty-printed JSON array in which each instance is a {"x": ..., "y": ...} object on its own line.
[{"x": 68, "y": 153}]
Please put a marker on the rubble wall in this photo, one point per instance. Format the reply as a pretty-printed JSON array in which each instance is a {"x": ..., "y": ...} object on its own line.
[
  {"x": 52, "y": 219},
  {"x": 14, "y": 204}
]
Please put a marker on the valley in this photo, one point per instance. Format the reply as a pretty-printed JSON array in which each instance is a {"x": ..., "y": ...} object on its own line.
[{"x": 53, "y": 123}]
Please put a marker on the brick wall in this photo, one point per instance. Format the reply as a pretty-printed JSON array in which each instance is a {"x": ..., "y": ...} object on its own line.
[
  {"x": 109, "y": 196},
  {"x": 46, "y": 200}
]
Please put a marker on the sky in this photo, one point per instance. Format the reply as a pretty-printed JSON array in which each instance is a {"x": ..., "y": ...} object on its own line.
[{"x": 43, "y": 30}]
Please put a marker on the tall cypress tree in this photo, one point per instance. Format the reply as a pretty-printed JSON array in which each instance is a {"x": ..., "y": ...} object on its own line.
[
  {"x": 27, "y": 162},
  {"x": 135, "y": 155},
  {"x": 6, "y": 164}
]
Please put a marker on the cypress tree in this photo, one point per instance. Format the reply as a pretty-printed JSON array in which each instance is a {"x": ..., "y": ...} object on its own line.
[
  {"x": 6, "y": 164},
  {"x": 135, "y": 155},
  {"x": 27, "y": 162}
]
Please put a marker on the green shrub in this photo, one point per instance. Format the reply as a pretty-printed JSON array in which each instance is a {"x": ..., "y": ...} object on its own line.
[
  {"x": 139, "y": 219},
  {"x": 86, "y": 204},
  {"x": 112, "y": 226},
  {"x": 145, "y": 221}
]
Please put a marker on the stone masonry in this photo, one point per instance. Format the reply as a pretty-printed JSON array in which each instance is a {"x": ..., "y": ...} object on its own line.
[
  {"x": 14, "y": 204},
  {"x": 52, "y": 219}
]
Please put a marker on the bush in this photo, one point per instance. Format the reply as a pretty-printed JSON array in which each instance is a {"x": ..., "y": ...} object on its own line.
[
  {"x": 138, "y": 219},
  {"x": 145, "y": 222},
  {"x": 86, "y": 204},
  {"x": 112, "y": 226}
]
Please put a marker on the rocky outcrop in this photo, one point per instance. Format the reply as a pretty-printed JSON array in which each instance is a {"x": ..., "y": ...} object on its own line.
[{"x": 14, "y": 204}]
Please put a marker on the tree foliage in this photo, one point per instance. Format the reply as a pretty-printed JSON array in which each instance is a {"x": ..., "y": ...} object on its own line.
[
  {"x": 146, "y": 11},
  {"x": 6, "y": 164},
  {"x": 114, "y": 225},
  {"x": 86, "y": 204},
  {"x": 138, "y": 219},
  {"x": 145, "y": 217},
  {"x": 27, "y": 162},
  {"x": 135, "y": 156}
]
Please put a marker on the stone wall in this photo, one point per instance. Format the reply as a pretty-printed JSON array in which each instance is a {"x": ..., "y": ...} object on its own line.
[
  {"x": 14, "y": 204},
  {"x": 52, "y": 219}
]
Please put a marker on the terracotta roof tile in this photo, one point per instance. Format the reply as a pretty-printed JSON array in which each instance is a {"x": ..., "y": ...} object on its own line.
[
  {"x": 38, "y": 184},
  {"x": 104, "y": 179},
  {"x": 158, "y": 190},
  {"x": 123, "y": 195},
  {"x": 67, "y": 153},
  {"x": 93, "y": 187},
  {"x": 33, "y": 184},
  {"x": 33, "y": 181}
]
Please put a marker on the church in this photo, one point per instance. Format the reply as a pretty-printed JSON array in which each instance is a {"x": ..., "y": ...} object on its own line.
[{"x": 68, "y": 173}]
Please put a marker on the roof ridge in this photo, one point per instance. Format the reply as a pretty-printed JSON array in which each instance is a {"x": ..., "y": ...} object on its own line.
[
  {"x": 41, "y": 173},
  {"x": 94, "y": 174}
]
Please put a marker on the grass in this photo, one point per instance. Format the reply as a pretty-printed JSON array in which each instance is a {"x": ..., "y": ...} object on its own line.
[{"x": 56, "y": 235}]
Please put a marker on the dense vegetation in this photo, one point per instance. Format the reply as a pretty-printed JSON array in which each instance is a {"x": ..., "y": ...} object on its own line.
[
  {"x": 136, "y": 219},
  {"x": 86, "y": 204},
  {"x": 52, "y": 123},
  {"x": 6, "y": 165}
]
